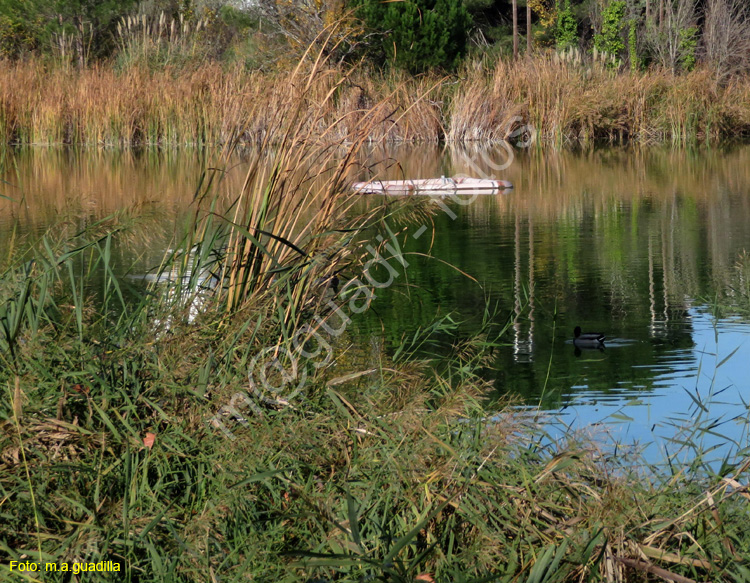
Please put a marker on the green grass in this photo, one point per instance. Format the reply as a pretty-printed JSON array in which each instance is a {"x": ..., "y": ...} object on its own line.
[{"x": 387, "y": 474}]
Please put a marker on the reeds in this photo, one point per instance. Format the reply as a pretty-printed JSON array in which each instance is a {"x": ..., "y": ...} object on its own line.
[
  {"x": 207, "y": 104},
  {"x": 585, "y": 103},
  {"x": 158, "y": 41}
]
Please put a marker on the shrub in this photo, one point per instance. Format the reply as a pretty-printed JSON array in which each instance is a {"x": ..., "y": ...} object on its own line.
[
  {"x": 417, "y": 35},
  {"x": 65, "y": 28},
  {"x": 566, "y": 31},
  {"x": 609, "y": 40},
  {"x": 635, "y": 61},
  {"x": 688, "y": 46}
]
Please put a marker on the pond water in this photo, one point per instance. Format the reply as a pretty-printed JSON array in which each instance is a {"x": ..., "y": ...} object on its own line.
[{"x": 645, "y": 246}]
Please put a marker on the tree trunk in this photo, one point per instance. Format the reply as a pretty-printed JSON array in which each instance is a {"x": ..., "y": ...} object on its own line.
[
  {"x": 79, "y": 41},
  {"x": 528, "y": 28},
  {"x": 515, "y": 29},
  {"x": 661, "y": 14}
]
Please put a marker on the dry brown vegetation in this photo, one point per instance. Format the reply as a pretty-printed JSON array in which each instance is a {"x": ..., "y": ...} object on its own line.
[
  {"x": 569, "y": 102},
  {"x": 209, "y": 105}
]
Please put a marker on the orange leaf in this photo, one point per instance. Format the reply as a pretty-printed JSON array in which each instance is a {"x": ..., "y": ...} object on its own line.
[
  {"x": 425, "y": 577},
  {"x": 148, "y": 441}
]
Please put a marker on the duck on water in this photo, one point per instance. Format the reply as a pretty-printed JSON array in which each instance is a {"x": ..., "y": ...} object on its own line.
[{"x": 587, "y": 339}]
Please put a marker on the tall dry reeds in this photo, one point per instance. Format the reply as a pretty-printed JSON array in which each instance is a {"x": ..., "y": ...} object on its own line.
[
  {"x": 569, "y": 102},
  {"x": 203, "y": 106},
  {"x": 141, "y": 38},
  {"x": 208, "y": 104},
  {"x": 280, "y": 240}
]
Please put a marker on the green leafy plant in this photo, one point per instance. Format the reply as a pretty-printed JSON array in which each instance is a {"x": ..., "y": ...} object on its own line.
[
  {"x": 609, "y": 39},
  {"x": 688, "y": 45},
  {"x": 566, "y": 30},
  {"x": 635, "y": 62},
  {"x": 417, "y": 35},
  {"x": 68, "y": 29}
]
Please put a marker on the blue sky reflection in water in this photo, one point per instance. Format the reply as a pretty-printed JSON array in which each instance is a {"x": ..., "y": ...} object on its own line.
[
  {"x": 645, "y": 246},
  {"x": 714, "y": 372}
]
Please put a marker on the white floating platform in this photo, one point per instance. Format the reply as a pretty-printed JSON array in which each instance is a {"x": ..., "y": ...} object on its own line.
[{"x": 433, "y": 186}]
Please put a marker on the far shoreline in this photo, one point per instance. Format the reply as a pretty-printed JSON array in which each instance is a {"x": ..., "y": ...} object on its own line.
[{"x": 568, "y": 104}]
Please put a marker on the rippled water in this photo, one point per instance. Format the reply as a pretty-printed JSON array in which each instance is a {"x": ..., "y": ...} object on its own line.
[{"x": 645, "y": 246}]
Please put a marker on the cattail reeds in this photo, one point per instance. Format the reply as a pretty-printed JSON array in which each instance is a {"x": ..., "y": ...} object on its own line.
[
  {"x": 290, "y": 228},
  {"x": 193, "y": 102}
]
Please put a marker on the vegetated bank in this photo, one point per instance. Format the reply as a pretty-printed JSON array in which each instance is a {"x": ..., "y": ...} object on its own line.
[
  {"x": 133, "y": 436},
  {"x": 566, "y": 101}
]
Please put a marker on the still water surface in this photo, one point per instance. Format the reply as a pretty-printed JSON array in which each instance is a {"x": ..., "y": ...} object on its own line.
[{"x": 645, "y": 246}]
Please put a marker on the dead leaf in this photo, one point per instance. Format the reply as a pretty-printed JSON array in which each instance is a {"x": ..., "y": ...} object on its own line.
[
  {"x": 425, "y": 577},
  {"x": 80, "y": 389},
  {"x": 148, "y": 441}
]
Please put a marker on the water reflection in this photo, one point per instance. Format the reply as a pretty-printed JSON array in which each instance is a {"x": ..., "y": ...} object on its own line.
[
  {"x": 42, "y": 188},
  {"x": 626, "y": 242}
]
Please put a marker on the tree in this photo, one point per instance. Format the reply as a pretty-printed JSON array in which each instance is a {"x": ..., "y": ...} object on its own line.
[
  {"x": 547, "y": 15},
  {"x": 609, "y": 40},
  {"x": 566, "y": 30},
  {"x": 673, "y": 40},
  {"x": 22, "y": 28},
  {"x": 635, "y": 61},
  {"x": 417, "y": 35},
  {"x": 726, "y": 37},
  {"x": 84, "y": 26}
]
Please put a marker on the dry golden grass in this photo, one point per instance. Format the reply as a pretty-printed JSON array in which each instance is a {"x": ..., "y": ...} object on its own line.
[
  {"x": 209, "y": 104},
  {"x": 582, "y": 103}
]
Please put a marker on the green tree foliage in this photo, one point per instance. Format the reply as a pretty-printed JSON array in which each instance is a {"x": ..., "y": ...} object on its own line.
[
  {"x": 417, "y": 35},
  {"x": 610, "y": 40},
  {"x": 22, "y": 27},
  {"x": 85, "y": 27},
  {"x": 635, "y": 61},
  {"x": 688, "y": 46},
  {"x": 566, "y": 29}
]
